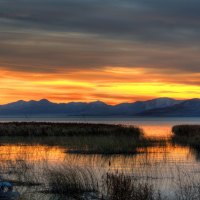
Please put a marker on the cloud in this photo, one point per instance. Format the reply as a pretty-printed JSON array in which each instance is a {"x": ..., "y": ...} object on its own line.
[
  {"x": 49, "y": 36},
  {"x": 137, "y": 19}
]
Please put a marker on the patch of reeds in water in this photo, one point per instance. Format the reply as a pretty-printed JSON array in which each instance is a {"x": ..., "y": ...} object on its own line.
[
  {"x": 187, "y": 135},
  {"x": 81, "y": 182},
  {"x": 71, "y": 181},
  {"x": 76, "y": 182},
  {"x": 76, "y": 137},
  {"x": 125, "y": 187},
  {"x": 36, "y": 129}
]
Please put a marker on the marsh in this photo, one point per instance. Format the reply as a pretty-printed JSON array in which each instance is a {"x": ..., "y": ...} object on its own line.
[{"x": 47, "y": 167}]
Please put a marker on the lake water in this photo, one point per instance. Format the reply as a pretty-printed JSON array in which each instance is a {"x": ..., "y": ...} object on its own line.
[{"x": 162, "y": 166}]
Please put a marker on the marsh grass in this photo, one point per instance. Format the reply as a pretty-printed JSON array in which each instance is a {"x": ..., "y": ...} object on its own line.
[
  {"x": 67, "y": 180},
  {"x": 21, "y": 173},
  {"x": 42, "y": 129},
  {"x": 76, "y": 137},
  {"x": 125, "y": 187},
  {"x": 74, "y": 181},
  {"x": 188, "y": 187},
  {"x": 91, "y": 144},
  {"x": 187, "y": 135},
  {"x": 78, "y": 181}
]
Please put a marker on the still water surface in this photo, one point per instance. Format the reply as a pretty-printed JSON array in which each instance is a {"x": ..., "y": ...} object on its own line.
[{"x": 161, "y": 166}]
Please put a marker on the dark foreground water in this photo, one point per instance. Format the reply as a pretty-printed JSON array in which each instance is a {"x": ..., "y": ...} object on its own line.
[{"x": 164, "y": 167}]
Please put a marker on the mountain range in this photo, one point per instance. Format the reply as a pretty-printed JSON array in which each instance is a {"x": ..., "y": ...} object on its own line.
[{"x": 159, "y": 107}]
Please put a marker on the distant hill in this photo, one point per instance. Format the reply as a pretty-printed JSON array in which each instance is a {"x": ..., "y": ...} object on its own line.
[
  {"x": 141, "y": 106},
  {"x": 188, "y": 108},
  {"x": 154, "y": 107}
]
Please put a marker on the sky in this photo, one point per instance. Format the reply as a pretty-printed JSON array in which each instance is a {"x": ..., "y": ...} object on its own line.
[{"x": 109, "y": 50}]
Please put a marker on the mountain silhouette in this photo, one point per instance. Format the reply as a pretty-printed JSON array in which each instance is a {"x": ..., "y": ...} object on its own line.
[
  {"x": 154, "y": 107},
  {"x": 188, "y": 108}
]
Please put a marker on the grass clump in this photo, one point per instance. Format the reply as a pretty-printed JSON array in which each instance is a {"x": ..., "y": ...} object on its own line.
[
  {"x": 70, "y": 181},
  {"x": 80, "y": 183},
  {"x": 36, "y": 129},
  {"x": 187, "y": 135},
  {"x": 124, "y": 187}
]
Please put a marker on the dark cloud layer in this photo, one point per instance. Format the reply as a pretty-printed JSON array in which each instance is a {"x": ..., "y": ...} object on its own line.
[{"x": 51, "y": 35}]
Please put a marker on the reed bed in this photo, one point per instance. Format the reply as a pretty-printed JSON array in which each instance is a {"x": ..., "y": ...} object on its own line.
[
  {"x": 125, "y": 187},
  {"x": 71, "y": 181},
  {"x": 80, "y": 183},
  {"x": 36, "y": 129},
  {"x": 187, "y": 135},
  {"x": 76, "y": 137},
  {"x": 188, "y": 186}
]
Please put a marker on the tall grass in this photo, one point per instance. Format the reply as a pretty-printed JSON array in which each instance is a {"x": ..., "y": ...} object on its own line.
[
  {"x": 77, "y": 137},
  {"x": 124, "y": 187},
  {"x": 76, "y": 182},
  {"x": 67, "y": 180},
  {"x": 36, "y": 129},
  {"x": 187, "y": 135},
  {"x": 81, "y": 182},
  {"x": 188, "y": 186}
]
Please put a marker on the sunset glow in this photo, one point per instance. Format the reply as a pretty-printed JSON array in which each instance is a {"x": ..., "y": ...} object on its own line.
[
  {"x": 132, "y": 50},
  {"x": 111, "y": 85}
]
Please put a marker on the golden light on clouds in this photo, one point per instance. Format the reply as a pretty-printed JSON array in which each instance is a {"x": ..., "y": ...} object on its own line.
[
  {"x": 110, "y": 84},
  {"x": 132, "y": 50}
]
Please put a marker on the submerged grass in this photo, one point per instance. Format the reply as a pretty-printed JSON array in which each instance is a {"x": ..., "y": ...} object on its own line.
[{"x": 103, "y": 144}]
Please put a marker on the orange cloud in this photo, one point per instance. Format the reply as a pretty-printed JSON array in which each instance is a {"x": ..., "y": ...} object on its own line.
[{"x": 110, "y": 84}]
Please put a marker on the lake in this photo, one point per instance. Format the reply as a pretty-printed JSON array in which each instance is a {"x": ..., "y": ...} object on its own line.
[{"x": 163, "y": 166}]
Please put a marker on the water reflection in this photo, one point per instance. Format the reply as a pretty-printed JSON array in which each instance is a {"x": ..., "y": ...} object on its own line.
[
  {"x": 195, "y": 151},
  {"x": 39, "y": 153},
  {"x": 31, "y": 153},
  {"x": 155, "y": 131},
  {"x": 159, "y": 165}
]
